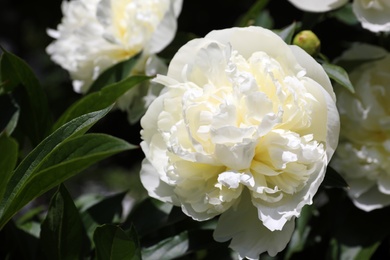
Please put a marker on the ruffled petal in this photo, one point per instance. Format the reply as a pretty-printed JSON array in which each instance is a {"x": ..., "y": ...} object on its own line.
[{"x": 249, "y": 237}]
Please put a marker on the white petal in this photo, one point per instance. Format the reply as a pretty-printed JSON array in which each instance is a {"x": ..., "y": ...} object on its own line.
[
  {"x": 236, "y": 157},
  {"x": 372, "y": 199},
  {"x": 374, "y": 15},
  {"x": 384, "y": 183},
  {"x": 165, "y": 31},
  {"x": 318, "y": 6},
  {"x": 155, "y": 186},
  {"x": 313, "y": 69},
  {"x": 254, "y": 39},
  {"x": 275, "y": 217},
  {"x": 359, "y": 186},
  {"x": 249, "y": 237}
]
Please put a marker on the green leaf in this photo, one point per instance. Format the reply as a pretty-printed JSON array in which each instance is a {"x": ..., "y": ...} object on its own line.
[
  {"x": 358, "y": 252},
  {"x": 114, "y": 74},
  {"x": 62, "y": 232},
  {"x": 9, "y": 114},
  {"x": 99, "y": 100},
  {"x": 146, "y": 212},
  {"x": 108, "y": 210},
  {"x": 287, "y": 32},
  {"x": 345, "y": 15},
  {"x": 169, "y": 248},
  {"x": 8, "y": 160},
  {"x": 253, "y": 13},
  {"x": 27, "y": 169},
  {"x": 18, "y": 244},
  {"x": 339, "y": 75},
  {"x": 301, "y": 232},
  {"x": 63, "y": 162},
  {"x": 263, "y": 19},
  {"x": 35, "y": 112},
  {"x": 333, "y": 179},
  {"x": 115, "y": 244}
]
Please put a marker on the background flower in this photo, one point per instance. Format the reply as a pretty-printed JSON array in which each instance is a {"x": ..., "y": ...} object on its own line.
[
  {"x": 96, "y": 34},
  {"x": 374, "y": 15},
  {"x": 245, "y": 129},
  {"x": 363, "y": 155},
  {"x": 318, "y": 6}
]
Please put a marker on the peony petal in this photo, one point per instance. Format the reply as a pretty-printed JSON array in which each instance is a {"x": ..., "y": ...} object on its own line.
[
  {"x": 253, "y": 39},
  {"x": 275, "y": 217},
  {"x": 249, "y": 237},
  {"x": 166, "y": 30},
  {"x": 358, "y": 186},
  {"x": 373, "y": 15},
  {"x": 318, "y": 6},
  {"x": 384, "y": 183},
  {"x": 156, "y": 188},
  {"x": 313, "y": 69},
  {"x": 372, "y": 199}
]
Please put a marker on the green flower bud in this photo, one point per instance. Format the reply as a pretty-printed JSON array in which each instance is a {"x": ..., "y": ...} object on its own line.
[{"x": 308, "y": 41}]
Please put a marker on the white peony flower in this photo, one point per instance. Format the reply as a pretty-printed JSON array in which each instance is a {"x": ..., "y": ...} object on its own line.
[
  {"x": 374, "y": 15},
  {"x": 363, "y": 155},
  {"x": 95, "y": 34},
  {"x": 318, "y": 6},
  {"x": 244, "y": 129}
]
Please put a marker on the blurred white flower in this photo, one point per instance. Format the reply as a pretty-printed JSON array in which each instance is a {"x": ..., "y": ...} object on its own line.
[
  {"x": 245, "y": 128},
  {"x": 95, "y": 34},
  {"x": 374, "y": 15},
  {"x": 363, "y": 155},
  {"x": 317, "y": 6}
]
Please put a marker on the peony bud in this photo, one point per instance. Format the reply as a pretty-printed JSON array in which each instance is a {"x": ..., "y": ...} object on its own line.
[{"x": 308, "y": 41}]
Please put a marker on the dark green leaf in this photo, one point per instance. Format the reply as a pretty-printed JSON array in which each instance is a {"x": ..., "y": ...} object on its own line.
[
  {"x": 66, "y": 160},
  {"x": 62, "y": 232},
  {"x": 287, "y": 33},
  {"x": 339, "y": 75},
  {"x": 108, "y": 210},
  {"x": 8, "y": 159},
  {"x": 250, "y": 17},
  {"x": 114, "y": 74},
  {"x": 334, "y": 179},
  {"x": 115, "y": 244},
  {"x": 99, "y": 100},
  {"x": 169, "y": 248},
  {"x": 35, "y": 112},
  {"x": 358, "y": 252},
  {"x": 263, "y": 19},
  {"x": 9, "y": 114},
  {"x": 18, "y": 244},
  {"x": 354, "y": 227},
  {"x": 301, "y": 232},
  {"x": 26, "y": 169},
  {"x": 146, "y": 212},
  {"x": 345, "y": 15}
]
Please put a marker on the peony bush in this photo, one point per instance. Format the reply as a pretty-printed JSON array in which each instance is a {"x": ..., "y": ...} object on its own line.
[{"x": 170, "y": 129}]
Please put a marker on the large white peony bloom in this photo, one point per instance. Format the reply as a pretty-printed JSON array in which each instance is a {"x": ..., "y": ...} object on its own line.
[
  {"x": 374, "y": 15},
  {"x": 317, "y": 6},
  {"x": 244, "y": 130},
  {"x": 363, "y": 155},
  {"x": 95, "y": 34}
]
